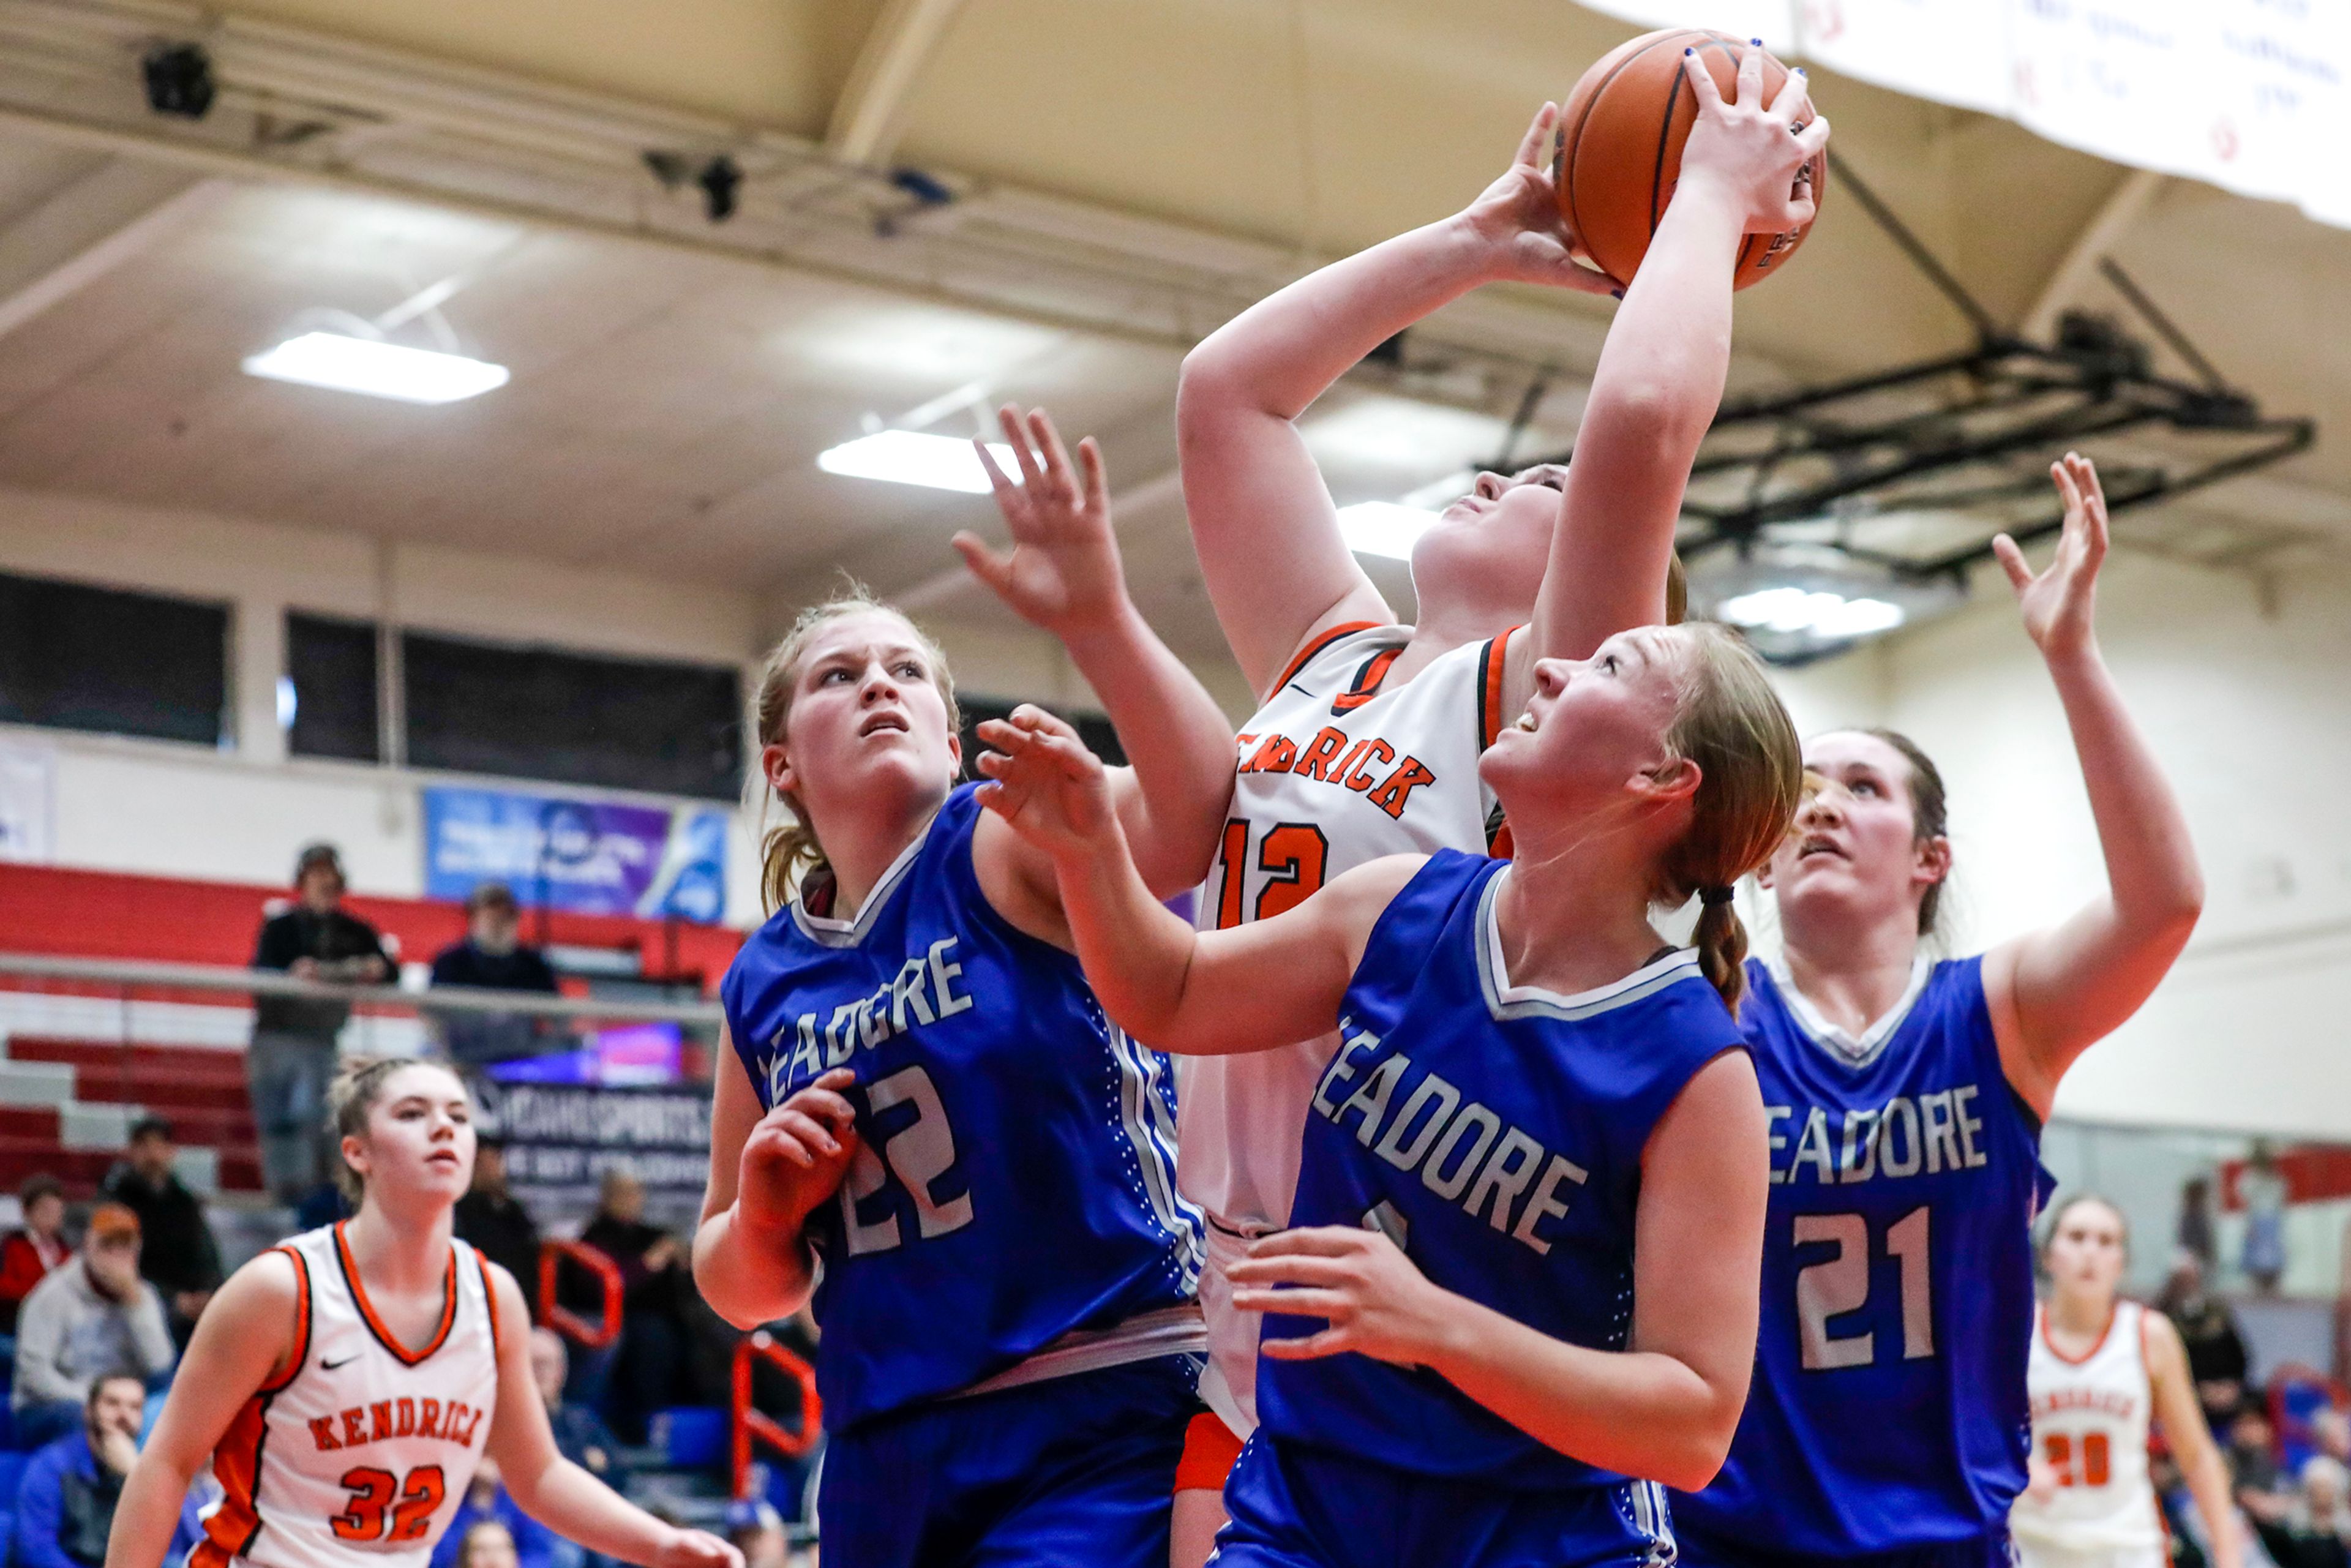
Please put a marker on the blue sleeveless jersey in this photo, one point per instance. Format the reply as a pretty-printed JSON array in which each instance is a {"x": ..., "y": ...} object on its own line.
[
  {"x": 1017, "y": 1179},
  {"x": 1496, "y": 1133},
  {"x": 1888, "y": 1409}
]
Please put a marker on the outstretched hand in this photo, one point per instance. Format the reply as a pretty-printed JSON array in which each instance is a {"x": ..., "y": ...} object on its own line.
[
  {"x": 1519, "y": 219},
  {"x": 697, "y": 1549},
  {"x": 797, "y": 1155},
  {"x": 1044, "y": 782},
  {"x": 1063, "y": 572},
  {"x": 1376, "y": 1303},
  {"x": 2060, "y": 604},
  {"x": 1757, "y": 157}
]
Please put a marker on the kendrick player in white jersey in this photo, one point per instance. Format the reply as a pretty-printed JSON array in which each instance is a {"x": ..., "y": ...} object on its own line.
[
  {"x": 345, "y": 1384},
  {"x": 2102, "y": 1370},
  {"x": 1367, "y": 741}
]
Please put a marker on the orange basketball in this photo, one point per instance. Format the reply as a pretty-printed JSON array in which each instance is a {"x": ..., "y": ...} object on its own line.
[{"x": 1619, "y": 150}]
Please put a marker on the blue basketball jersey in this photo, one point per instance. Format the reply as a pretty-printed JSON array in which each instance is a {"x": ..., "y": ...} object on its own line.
[
  {"x": 1888, "y": 1407},
  {"x": 1016, "y": 1178},
  {"x": 1494, "y": 1132}
]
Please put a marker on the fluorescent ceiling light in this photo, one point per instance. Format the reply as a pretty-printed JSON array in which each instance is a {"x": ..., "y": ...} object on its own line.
[
  {"x": 376, "y": 369},
  {"x": 1382, "y": 528},
  {"x": 916, "y": 457},
  {"x": 1828, "y": 615}
]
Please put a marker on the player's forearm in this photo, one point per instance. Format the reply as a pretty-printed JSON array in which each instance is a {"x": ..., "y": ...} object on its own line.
[
  {"x": 1137, "y": 953},
  {"x": 2207, "y": 1482},
  {"x": 148, "y": 1512},
  {"x": 751, "y": 1276},
  {"x": 2152, "y": 874},
  {"x": 576, "y": 1506},
  {"x": 1637, "y": 1413},
  {"x": 1175, "y": 740},
  {"x": 1282, "y": 353}
]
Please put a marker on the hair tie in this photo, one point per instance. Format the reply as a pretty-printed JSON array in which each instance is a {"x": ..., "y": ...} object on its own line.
[{"x": 1710, "y": 896}]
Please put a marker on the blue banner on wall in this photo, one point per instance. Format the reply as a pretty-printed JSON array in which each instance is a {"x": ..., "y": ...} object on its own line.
[{"x": 589, "y": 856}]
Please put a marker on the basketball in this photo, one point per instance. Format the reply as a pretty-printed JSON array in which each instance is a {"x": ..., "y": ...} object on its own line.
[{"x": 1620, "y": 149}]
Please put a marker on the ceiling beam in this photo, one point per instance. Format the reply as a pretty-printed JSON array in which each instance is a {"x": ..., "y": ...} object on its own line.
[
  {"x": 89, "y": 227},
  {"x": 2115, "y": 214},
  {"x": 870, "y": 113}
]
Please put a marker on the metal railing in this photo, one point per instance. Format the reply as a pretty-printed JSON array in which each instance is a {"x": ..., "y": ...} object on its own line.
[
  {"x": 562, "y": 1319},
  {"x": 750, "y": 1426}
]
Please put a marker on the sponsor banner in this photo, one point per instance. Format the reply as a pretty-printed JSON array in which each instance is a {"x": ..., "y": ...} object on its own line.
[
  {"x": 561, "y": 1139},
  {"x": 593, "y": 857}
]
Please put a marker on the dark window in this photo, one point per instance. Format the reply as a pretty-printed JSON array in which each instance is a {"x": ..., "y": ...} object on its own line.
[
  {"x": 73, "y": 657},
  {"x": 1092, "y": 728},
  {"x": 331, "y": 664},
  {"x": 534, "y": 713}
]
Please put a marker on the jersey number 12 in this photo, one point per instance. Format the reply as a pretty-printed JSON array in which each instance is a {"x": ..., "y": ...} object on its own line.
[
  {"x": 1293, "y": 856},
  {"x": 1840, "y": 1283}
]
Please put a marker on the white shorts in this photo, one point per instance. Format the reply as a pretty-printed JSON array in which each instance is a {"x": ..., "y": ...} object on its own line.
[
  {"x": 1228, "y": 1386},
  {"x": 2032, "y": 1553}
]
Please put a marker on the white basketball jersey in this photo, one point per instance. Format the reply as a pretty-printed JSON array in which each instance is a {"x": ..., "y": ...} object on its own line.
[
  {"x": 2090, "y": 1421},
  {"x": 1336, "y": 770},
  {"x": 364, "y": 1448}
]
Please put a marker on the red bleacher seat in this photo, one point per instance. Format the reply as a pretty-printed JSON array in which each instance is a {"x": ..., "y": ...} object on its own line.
[{"x": 200, "y": 1089}]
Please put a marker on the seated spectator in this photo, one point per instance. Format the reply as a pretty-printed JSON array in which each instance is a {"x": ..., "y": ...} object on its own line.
[
  {"x": 580, "y": 1435},
  {"x": 491, "y": 957},
  {"x": 27, "y": 1255},
  {"x": 2260, "y": 1488},
  {"x": 293, "y": 1052},
  {"x": 64, "y": 1505},
  {"x": 528, "y": 1543},
  {"x": 486, "y": 1543},
  {"x": 2316, "y": 1531},
  {"x": 96, "y": 1316},
  {"x": 2216, "y": 1351},
  {"x": 177, "y": 1253},
  {"x": 652, "y": 1361},
  {"x": 494, "y": 1219}
]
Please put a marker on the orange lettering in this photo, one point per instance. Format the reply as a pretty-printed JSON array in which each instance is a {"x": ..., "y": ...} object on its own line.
[
  {"x": 430, "y": 1426},
  {"x": 1314, "y": 762},
  {"x": 1398, "y": 785},
  {"x": 322, "y": 1432},
  {"x": 380, "y": 1414},
  {"x": 406, "y": 1426},
  {"x": 1381, "y": 754},
  {"x": 353, "y": 1435}
]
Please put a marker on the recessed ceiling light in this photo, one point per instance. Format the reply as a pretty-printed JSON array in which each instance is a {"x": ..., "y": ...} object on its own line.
[
  {"x": 1821, "y": 614},
  {"x": 376, "y": 369},
  {"x": 1382, "y": 528},
  {"x": 916, "y": 457}
]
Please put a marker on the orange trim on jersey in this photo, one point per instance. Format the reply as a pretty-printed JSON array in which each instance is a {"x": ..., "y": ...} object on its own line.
[
  {"x": 489, "y": 1301},
  {"x": 1315, "y": 646},
  {"x": 301, "y": 1324},
  {"x": 2089, "y": 1356},
  {"x": 1368, "y": 680},
  {"x": 1491, "y": 662},
  {"x": 375, "y": 1325},
  {"x": 236, "y": 1463},
  {"x": 1210, "y": 1452}
]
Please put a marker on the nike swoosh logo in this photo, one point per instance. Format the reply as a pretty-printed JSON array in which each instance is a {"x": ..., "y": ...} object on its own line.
[{"x": 331, "y": 1365}]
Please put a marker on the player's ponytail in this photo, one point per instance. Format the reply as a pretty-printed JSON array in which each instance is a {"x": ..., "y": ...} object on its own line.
[
  {"x": 1750, "y": 779},
  {"x": 789, "y": 852}
]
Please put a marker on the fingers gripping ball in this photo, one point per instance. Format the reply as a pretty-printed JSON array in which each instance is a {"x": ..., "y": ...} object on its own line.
[{"x": 1619, "y": 150}]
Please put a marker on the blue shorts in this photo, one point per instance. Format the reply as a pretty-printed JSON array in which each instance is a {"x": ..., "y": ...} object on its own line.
[
  {"x": 1076, "y": 1470},
  {"x": 1295, "y": 1507},
  {"x": 1982, "y": 1552}
]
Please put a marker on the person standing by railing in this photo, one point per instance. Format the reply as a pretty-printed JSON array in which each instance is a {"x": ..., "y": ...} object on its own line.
[{"x": 293, "y": 1052}]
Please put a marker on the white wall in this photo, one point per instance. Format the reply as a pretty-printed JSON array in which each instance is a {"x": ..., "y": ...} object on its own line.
[{"x": 2251, "y": 713}]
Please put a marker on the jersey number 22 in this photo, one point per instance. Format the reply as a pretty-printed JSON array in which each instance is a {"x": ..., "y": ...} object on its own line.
[{"x": 920, "y": 1152}]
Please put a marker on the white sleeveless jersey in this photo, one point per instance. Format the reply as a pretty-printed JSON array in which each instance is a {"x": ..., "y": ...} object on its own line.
[
  {"x": 2090, "y": 1421},
  {"x": 1336, "y": 769},
  {"x": 361, "y": 1451}
]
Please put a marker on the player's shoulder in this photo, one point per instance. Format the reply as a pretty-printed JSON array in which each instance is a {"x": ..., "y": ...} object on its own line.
[{"x": 269, "y": 1287}]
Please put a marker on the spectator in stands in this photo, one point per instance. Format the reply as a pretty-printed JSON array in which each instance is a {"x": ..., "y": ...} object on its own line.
[
  {"x": 293, "y": 1052},
  {"x": 64, "y": 1504},
  {"x": 2262, "y": 1188},
  {"x": 486, "y": 1543},
  {"x": 528, "y": 1543},
  {"x": 2216, "y": 1351},
  {"x": 494, "y": 1219},
  {"x": 98, "y": 1317},
  {"x": 27, "y": 1254},
  {"x": 2261, "y": 1488},
  {"x": 652, "y": 1357},
  {"x": 580, "y": 1435},
  {"x": 2193, "y": 1232},
  {"x": 177, "y": 1253},
  {"x": 491, "y": 957},
  {"x": 2315, "y": 1529}
]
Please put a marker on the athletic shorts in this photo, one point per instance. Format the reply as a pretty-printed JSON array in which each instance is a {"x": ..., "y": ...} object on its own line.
[
  {"x": 2032, "y": 1553},
  {"x": 1293, "y": 1506},
  {"x": 1983, "y": 1552},
  {"x": 1076, "y": 1470},
  {"x": 1228, "y": 1387}
]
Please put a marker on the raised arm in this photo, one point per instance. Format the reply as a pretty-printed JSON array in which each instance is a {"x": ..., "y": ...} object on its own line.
[
  {"x": 2054, "y": 993},
  {"x": 1267, "y": 534},
  {"x": 767, "y": 1174},
  {"x": 1663, "y": 1408},
  {"x": 243, "y": 1343},
  {"x": 1661, "y": 371},
  {"x": 2189, "y": 1439},
  {"x": 1270, "y": 983},
  {"x": 1063, "y": 574}
]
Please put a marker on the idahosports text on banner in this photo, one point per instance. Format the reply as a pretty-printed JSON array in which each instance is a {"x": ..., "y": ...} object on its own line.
[{"x": 592, "y": 857}]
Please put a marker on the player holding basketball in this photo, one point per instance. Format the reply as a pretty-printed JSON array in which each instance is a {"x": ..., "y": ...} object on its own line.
[
  {"x": 1519, "y": 1287},
  {"x": 1888, "y": 1420},
  {"x": 924, "y": 1096},
  {"x": 345, "y": 1384},
  {"x": 1368, "y": 739},
  {"x": 2101, "y": 1368}
]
